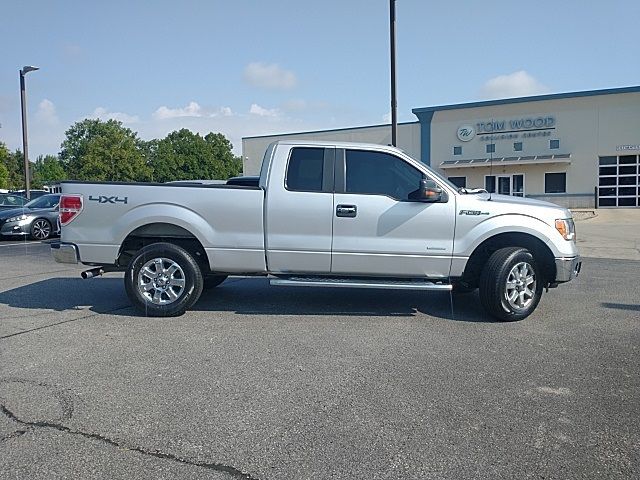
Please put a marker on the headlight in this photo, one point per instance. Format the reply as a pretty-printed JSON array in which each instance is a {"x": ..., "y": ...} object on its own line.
[
  {"x": 19, "y": 218},
  {"x": 566, "y": 228}
]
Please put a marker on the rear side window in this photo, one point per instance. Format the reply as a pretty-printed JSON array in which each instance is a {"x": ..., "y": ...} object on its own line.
[{"x": 305, "y": 169}]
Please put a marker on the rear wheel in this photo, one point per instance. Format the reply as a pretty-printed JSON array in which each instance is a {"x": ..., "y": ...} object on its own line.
[
  {"x": 511, "y": 284},
  {"x": 163, "y": 280}
]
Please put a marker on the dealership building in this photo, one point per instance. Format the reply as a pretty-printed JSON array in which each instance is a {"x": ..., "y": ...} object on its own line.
[{"x": 578, "y": 149}]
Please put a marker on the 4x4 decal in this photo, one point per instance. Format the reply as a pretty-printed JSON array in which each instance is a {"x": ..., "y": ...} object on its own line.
[{"x": 105, "y": 199}]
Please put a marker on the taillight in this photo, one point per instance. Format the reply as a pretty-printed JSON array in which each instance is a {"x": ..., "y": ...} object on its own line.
[{"x": 70, "y": 208}]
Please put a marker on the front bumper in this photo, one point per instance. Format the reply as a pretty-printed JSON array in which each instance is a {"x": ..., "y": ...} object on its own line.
[
  {"x": 567, "y": 268},
  {"x": 64, "y": 252},
  {"x": 22, "y": 227}
]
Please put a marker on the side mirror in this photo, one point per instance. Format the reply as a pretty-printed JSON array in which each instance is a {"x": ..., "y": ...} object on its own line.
[{"x": 428, "y": 192}]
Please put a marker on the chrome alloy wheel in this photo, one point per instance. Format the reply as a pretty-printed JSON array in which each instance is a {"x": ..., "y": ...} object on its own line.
[
  {"x": 521, "y": 286},
  {"x": 41, "y": 229},
  {"x": 161, "y": 281}
]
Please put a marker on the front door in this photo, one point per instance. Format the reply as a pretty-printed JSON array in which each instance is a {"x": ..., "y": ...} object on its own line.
[{"x": 377, "y": 231}]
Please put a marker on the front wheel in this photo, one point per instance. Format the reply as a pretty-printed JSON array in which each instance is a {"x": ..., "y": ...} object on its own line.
[
  {"x": 40, "y": 229},
  {"x": 163, "y": 280},
  {"x": 511, "y": 284}
]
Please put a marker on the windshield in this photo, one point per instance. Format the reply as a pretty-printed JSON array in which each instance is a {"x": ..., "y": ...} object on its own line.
[{"x": 45, "y": 201}]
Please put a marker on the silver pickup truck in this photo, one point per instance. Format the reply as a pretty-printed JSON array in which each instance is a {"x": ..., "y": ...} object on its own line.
[{"x": 321, "y": 215}]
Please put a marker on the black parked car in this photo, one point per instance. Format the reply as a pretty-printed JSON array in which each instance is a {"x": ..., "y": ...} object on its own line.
[{"x": 38, "y": 218}]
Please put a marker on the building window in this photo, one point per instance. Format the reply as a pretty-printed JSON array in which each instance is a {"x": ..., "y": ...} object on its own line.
[
  {"x": 457, "y": 150},
  {"x": 517, "y": 146},
  {"x": 555, "y": 183},
  {"x": 554, "y": 144},
  {"x": 491, "y": 148},
  {"x": 460, "y": 182},
  {"x": 518, "y": 185},
  {"x": 490, "y": 183}
]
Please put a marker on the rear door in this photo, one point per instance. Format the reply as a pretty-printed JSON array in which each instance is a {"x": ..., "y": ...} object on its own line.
[
  {"x": 299, "y": 210},
  {"x": 377, "y": 230}
]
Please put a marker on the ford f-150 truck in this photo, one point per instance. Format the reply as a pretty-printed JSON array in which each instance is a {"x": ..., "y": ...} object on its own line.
[{"x": 321, "y": 215}]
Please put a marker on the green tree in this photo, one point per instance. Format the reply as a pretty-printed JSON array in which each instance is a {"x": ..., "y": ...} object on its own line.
[
  {"x": 222, "y": 150},
  {"x": 4, "y": 171},
  {"x": 47, "y": 170},
  {"x": 184, "y": 155},
  {"x": 113, "y": 157},
  {"x": 104, "y": 151},
  {"x": 14, "y": 164}
]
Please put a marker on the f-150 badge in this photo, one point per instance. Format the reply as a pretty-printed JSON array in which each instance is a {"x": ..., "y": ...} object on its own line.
[
  {"x": 472, "y": 212},
  {"x": 105, "y": 199}
]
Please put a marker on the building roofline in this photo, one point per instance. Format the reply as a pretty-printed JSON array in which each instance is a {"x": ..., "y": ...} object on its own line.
[
  {"x": 533, "y": 98},
  {"x": 328, "y": 131}
]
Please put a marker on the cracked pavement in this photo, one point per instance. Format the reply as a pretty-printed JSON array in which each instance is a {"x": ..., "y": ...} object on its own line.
[{"x": 265, "y": 383}]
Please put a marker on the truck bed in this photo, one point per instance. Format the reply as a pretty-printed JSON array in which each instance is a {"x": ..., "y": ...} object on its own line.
[{"x": 227, "y": 220}]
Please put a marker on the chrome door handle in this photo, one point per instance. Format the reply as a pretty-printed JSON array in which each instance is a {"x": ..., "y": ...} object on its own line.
[{"x": 349, "y": 211}]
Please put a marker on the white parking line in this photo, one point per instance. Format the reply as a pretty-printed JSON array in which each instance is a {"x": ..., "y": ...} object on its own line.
[{"x": 21, "y": 243}]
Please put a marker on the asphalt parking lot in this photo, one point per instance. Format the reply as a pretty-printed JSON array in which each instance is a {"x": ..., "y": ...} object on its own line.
[{"x": 260, "y": 382}]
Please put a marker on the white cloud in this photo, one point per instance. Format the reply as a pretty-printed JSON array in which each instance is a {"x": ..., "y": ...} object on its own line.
[
  {"x": 516, "y": 84},
  {"x": 193, "y": 109},
  {"x": 103, "y": 113},
  {"x": 263, "y": 112},
  {"x": 386, "y": 118},
  {"x": 270, "y": 76},
  {"x": 47, "y": 113}
]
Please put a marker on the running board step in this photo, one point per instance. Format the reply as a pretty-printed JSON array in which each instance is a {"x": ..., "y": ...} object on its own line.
[{"x": 359, "y": 283}]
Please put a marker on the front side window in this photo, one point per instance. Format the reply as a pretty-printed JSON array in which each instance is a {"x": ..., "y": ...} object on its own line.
[
  {"x": 457, "y": 150},
  {"x": 380, "y": 174},
  {"x": 305, "y": 169},
  {"x": 554, "y": 144},
  {"x": 555, "y": 182}
]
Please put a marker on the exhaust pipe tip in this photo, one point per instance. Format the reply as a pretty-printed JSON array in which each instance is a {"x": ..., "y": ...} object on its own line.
[{"x": 94, "y": 272}]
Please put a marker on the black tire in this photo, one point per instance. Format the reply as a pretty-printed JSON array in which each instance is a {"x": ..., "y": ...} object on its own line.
[
  {"x": 212, "y": 281},
  {"x": 493, "y": 284},
  {"x": 41, "y": 229},
  {"x": 189, "y": 272}
]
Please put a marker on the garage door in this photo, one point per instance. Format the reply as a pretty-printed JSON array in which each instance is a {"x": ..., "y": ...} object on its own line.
[{"x": 619, "y": 181}]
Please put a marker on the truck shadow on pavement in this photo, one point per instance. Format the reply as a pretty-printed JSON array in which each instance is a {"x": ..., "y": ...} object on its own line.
[
  {"x": 246, "y": 296},
  {"x": 254, "y": 296}
]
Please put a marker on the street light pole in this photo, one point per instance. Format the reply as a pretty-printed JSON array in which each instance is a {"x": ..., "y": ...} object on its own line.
[
  {"x": 25, "y": 146},
  {"x": 394, "y": 101}
]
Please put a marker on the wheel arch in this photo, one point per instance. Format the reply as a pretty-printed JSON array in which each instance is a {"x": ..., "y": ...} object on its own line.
[
  {"x": 155, "y": 232},
  {"x": 540, "y": 250}
]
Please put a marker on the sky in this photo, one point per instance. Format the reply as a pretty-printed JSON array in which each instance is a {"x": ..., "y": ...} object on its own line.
[{"x": 251, "y": 67}]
